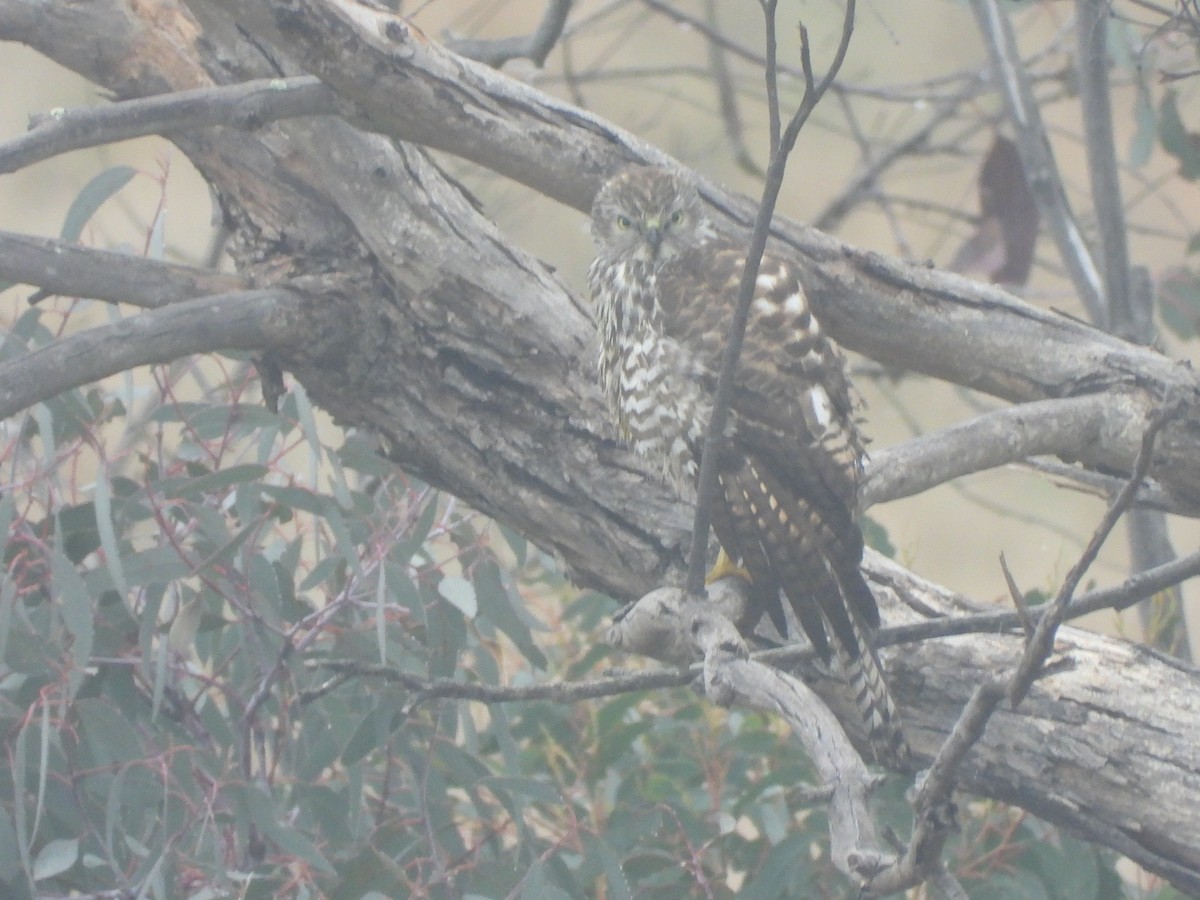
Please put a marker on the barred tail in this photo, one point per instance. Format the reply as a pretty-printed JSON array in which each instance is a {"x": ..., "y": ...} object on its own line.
[
  {"x": 862, "y": 670},
  {"x": 812, "y": 553}
]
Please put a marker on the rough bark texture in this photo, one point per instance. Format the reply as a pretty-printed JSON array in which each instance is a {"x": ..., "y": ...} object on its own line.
[
  {"x": 1092, "y": 747},
  {"x": 475, "y": 363}
]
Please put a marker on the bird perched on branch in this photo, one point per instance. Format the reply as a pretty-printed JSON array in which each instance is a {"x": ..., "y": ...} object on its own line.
[{"x": 665, "y": 286}]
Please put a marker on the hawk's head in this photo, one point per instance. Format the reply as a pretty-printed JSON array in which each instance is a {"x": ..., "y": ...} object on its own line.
[{"x": 648, "y": 214}]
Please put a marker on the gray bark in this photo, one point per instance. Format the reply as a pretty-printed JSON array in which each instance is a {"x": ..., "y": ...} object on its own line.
[{"x": 474, "y": 362}]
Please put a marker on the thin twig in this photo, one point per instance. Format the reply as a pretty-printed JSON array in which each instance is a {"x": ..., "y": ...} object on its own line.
[
  {"x": 1151, "y": 495},
  {"x": 1119, "y": 597},
  {"x": 1042, "y": 641},
  {"x": 535, "y": 46},
  {"x": 1091, "y": 31},
  {"x": 707, "y": 482},
  {"x": 1017, "y": 598},
  {"x": 933, "y": 811},
  {"x": 772, "y": 73},
  {"x": 869, "y": 189},
  {"x": 727, "y": 100},
  {"x": 427, "y": 689}
]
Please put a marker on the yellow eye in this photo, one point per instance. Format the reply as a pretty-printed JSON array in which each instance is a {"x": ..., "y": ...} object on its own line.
[
  {"x": 623, "y": 222},
  {"x": 676, "y": 217}
]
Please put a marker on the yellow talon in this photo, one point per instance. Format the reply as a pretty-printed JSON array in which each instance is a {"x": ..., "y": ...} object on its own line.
[{"x": 725, "y": 567}]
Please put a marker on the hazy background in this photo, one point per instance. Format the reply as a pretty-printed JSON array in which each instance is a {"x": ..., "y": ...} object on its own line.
[{"x": 647, "y": 74}]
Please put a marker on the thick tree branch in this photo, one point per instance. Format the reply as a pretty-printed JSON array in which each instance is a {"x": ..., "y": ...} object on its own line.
[
  {"x": 247, "y": 106},
  {"x": 472, "y": 361},
  {"x": 423, "y": 93},
  {"x": 61, "y": 267},
  {"x": 904, "y": 316},
  {"x": 1040, "y": 428},
  {"x": 1085, "y": 677},
  {"x": 244, "y": 320}
]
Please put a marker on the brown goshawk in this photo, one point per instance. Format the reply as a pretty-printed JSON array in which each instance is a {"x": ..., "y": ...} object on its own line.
[{"x": 665, "y": 285}]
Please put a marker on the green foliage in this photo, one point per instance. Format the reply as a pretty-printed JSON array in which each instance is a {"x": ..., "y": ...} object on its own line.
[
  {"x": 94, "y": 194},
  {"x": 227, "y": 661},
  {"x": 876, "y": 537},
  {"x": 212, "y": 685},
  {"x": 1179, "y": 302},
  {"x": 1006, "y": 853},
  {"x": 215, "y": 683},
  {"x": 1177, "y": 140}
]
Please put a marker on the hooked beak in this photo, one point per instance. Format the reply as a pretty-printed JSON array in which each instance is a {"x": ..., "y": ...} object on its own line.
[{"x": 653, "y": 235}]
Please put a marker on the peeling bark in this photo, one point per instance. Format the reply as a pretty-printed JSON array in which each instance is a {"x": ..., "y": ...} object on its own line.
[{"x": 475, "y": 363}]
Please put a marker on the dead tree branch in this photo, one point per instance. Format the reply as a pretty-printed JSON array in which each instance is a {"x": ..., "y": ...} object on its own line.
[
  {"x": 464, "y": 354},
  {"x": 534, "y": 47},
  {"x": 61, "y": 267},
  {"x": 243, "y": 320},
  {"x": 248, "y": 106}
]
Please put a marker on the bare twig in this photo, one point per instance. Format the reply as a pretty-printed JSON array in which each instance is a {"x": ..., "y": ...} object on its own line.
[
  {"x": 771, "y": 68},
  {"x": 1128, "y": 300},
  {"x": 1018, "y": 599},
  {"x": 535, "y": 46},
  {"x": 1162, "y": 617},
  {"x": 933, "y": 809},
  {"x": 707, "y": 483},
  {"x": 727, "y": 100},
  {"x": 1040, "y": 644},
  {"x": 426, "y": 689},
  {"x": 1119, "y": 597},
  {"x": 248, "y": 106},
  {"x": 718, "y": 38},
  {"x": 869, "y": 188},
  {"x": 1151, "y": 495},
  {"x": 1091, "y": 31}
]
